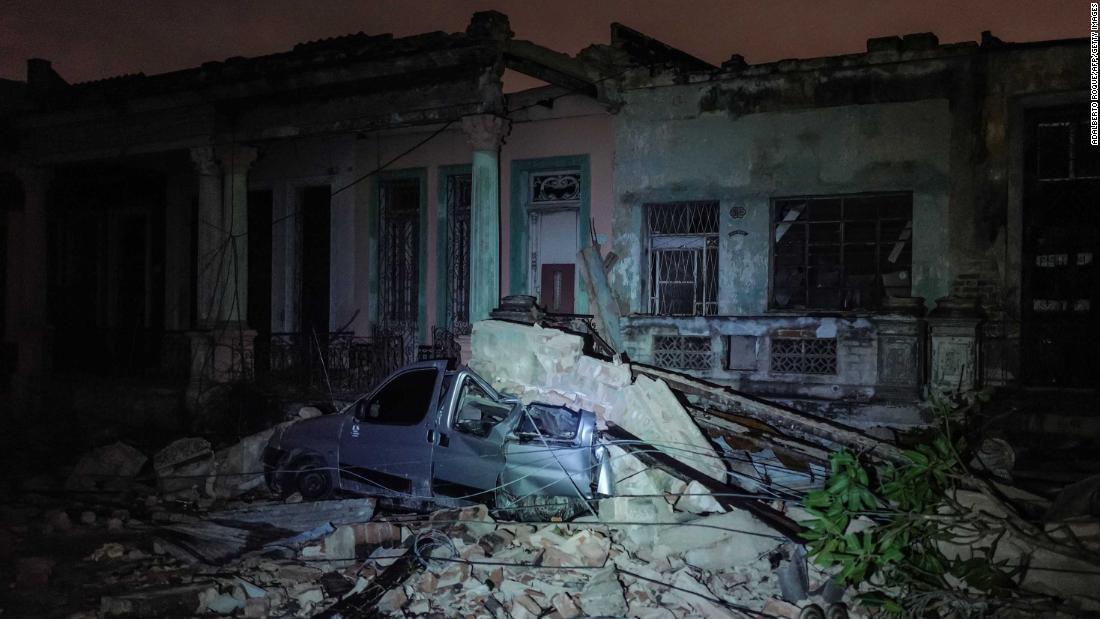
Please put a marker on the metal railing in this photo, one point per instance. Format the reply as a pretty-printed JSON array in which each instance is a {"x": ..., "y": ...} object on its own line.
[{"x": 340, "y": 363}]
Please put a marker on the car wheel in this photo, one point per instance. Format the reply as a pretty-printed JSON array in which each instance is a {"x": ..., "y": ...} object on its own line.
[{"x": 314, "y": 481}]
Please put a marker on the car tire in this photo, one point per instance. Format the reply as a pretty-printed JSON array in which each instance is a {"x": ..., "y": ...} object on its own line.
[{"x": 314, "y": 481}]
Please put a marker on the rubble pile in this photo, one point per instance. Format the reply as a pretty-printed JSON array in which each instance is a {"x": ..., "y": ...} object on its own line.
[
  {"x": 463, "y": 563},
  {"x": 694, "y": 526}
]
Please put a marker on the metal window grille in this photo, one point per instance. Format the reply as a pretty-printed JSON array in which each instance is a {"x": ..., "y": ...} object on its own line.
[
  {"x": 555, "y": 187},
  {"x": 683, "y": 252},
  {"x": 458, "y": 252},
  {"x": 841, "y": 252},
  {"x": 400, "y": 251},
  {"x": 803, "y": 355},
  {"x": 682, "y": 352},
  {"x": 1062, "y": 152}
]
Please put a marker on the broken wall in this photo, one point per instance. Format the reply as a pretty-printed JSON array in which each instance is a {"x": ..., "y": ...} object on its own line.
[
  {"x": 941, "y": 121},
  {"x": 549, "y": 366}
]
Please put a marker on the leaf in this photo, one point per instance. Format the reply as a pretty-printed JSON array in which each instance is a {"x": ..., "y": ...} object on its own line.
[{"x": 917, "y": 458}]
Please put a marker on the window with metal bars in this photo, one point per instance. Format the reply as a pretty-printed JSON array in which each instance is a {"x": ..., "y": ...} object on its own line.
[
  {"x": 841, "y": 252},
  {"x": 803, "y": 355},
  {"x": 682, "y": 352},
  {"x": 400, "y": 250},
  {"x": 1063, "y": 151},
  {"x": 682, "y": 241},
  {"x": 458, "y": 252}
]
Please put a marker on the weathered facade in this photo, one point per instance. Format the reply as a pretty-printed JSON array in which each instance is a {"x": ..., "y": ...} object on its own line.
[
  {"x": 322, "y": 210},
  {"x": 847, "y": 231},
  {"x": 834, "y": 200}
]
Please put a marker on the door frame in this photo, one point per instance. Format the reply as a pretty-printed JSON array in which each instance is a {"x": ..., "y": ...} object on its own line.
[
  {"x": 374, "y": 221},
  {"x": 519, "y": 225},
  {"x": 442, "y": 259}
]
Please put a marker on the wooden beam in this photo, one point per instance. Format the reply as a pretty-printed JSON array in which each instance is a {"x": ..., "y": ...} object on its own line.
[
  {"x": 785, "y": 421},
  {"x": 727, "y": 495}
]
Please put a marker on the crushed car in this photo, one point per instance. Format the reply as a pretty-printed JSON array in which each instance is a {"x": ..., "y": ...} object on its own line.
[{"x": 429, "y": 434}]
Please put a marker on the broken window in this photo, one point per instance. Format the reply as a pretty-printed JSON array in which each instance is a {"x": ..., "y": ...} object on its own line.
[
  {"x": 841, "y": 252},
  {"x": 683, "y": 258},
  {"x": 478, "y": 411},
  {"x": 403, "y": 401},
  {"x": 548, "y": 422},
  {"x": 1063, "y": 152}
]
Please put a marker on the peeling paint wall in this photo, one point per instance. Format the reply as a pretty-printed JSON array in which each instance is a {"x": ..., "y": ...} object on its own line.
[
  {"x": 942, "y": 122},
  {"x": 575, "y": 126},
  {"x": 666, "y": 150}
]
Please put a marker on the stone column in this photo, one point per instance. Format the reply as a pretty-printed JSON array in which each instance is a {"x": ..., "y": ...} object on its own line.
[
  {"x": 223, "y": 233},
  {"x": 235, "y": 162},
  {"x": 486, "y": 133},
  {"x": 211, "y": 235},
  {"x": 27, "y": 327},
  {"x": 221, "y": 345}
]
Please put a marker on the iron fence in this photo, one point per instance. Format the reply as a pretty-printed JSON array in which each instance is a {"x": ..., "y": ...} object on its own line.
[{"x": 340, "y": 363}]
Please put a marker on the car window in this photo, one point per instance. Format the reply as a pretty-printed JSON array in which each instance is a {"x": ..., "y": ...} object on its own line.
[
  {"x": 478, "y": 411},
  {"x": 403, "y": 401},
  {"x": 552, "y": 422}
]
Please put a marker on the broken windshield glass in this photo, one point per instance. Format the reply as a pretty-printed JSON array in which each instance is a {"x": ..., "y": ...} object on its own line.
[{"x": 549, "y": 421}]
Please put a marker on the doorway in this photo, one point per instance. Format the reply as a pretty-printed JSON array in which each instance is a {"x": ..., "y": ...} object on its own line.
[
  {"x": 399, "y": 265},
  {"x": 314, "y": 302},
  {"x": 1061, "y": 238},
  {"x": 553, "y": 259}
]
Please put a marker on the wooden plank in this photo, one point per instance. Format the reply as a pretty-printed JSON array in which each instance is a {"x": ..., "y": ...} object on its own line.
[{"x": 786, "y": 421}]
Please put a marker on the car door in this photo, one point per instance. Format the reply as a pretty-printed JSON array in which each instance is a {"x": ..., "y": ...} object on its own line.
[
  {"x": 468, "y": 456},
  {"x": 386, "y": 445}
]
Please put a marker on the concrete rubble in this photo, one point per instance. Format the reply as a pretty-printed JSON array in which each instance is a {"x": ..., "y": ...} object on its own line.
[{"x": 210, "y": 540}]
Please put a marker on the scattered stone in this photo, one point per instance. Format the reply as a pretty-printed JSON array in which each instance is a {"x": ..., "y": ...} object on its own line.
[
  {"x": 184, "y": 600},
  {"x": 376, "y": 533},
  {"x": 110, "y": 550},
  {"x": 33, "y": 572},
  {"x": 309, "y": 412},
  {"x": 526, "y": 603},
  {"x": 224, "y": 604},
  {"x": 603, "y": 594},
  {"x": 106, "y": 468},
  {"x": 309, "y": 596},
  {"x": 114, "y": 524},
  {"x": 58, "y": 521},
  {"x": 392, "y": 600},
  {"x": 565, "y": 606},
  {"x": 257, "y": 608},
  {"x": 182, "y": 465},
  {"x": 239, "y": 468},
  {"x": 779, "y": 608}
]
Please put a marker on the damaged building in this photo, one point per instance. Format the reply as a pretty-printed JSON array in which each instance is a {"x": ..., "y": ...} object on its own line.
[
  {"x": 846, "y": 231},
  {"x": 678, "y": 296}
]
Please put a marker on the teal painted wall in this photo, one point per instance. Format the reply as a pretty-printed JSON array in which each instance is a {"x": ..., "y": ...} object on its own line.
[{"x": 667, "y": 150}]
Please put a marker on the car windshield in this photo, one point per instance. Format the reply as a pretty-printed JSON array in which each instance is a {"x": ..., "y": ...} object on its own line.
[{"x": 554, "y": 422}]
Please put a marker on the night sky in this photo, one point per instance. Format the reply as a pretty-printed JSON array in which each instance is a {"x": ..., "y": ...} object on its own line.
[{"x": 92, "y": 39}]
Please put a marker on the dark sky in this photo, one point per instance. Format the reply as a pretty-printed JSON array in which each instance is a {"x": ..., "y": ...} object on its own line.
[{"x": 92, "y": 39}]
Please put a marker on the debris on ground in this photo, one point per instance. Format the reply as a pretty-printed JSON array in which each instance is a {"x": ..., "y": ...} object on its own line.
[{"x": 703, "y": 520}]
